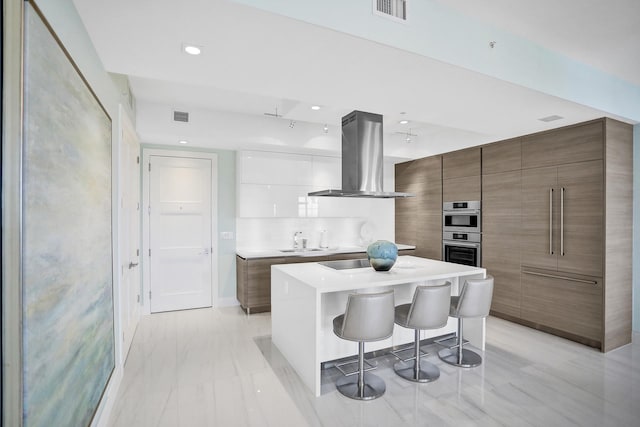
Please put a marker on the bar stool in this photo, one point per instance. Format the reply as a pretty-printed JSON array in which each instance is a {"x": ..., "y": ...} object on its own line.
[
  {"x": 474, "y": 301},
  {"x": 368, "y": 317},
  {"x": 428, "y": 310}
]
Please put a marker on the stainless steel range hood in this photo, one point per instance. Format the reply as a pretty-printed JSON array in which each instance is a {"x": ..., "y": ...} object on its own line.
[{"x": 361, "y": 158}]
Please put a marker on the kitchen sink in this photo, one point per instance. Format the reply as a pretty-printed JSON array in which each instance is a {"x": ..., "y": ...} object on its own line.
[
  {"x": 347, "y": 264},
  {"x": 302, "y": 250}
]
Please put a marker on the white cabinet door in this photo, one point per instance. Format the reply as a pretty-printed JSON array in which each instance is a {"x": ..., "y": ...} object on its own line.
[
  {"x": 257, "y": 167},
  {"x": 327, "y": 172},
  {"x": 272, "y": 201}
]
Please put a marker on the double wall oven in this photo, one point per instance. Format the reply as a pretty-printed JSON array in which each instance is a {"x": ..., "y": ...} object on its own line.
[{"x": 461, "y": 232}]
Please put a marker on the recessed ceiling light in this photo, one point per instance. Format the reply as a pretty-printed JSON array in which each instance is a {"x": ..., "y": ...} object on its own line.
[
  {"x": 403, "y": 122},
  {"x": 315, "y": 107},
  {"x": 191, "y": 49},
  {"x": 182, "y": 141}
]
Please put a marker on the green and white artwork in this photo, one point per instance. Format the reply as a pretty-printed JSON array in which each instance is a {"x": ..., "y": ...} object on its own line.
[{"x": 68, "y": 326}]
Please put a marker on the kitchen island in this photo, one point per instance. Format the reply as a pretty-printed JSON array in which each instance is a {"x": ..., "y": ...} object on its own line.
[{"x": 305, "y": 297}]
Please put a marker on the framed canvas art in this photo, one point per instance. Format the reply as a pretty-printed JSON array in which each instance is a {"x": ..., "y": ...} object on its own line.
[{"x": 67, "y": 284}]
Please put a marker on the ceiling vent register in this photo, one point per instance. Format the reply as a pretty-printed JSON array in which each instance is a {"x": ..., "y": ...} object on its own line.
[
  {"x": 391, "y": 8},
  {"x": 181, "y": 116}
]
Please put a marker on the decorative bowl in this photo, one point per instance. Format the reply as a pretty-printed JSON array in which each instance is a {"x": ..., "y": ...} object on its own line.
[{"x": 382, "y": 255}]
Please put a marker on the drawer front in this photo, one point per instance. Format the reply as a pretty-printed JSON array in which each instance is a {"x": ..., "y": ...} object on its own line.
[{"x": 568, "y": 303}]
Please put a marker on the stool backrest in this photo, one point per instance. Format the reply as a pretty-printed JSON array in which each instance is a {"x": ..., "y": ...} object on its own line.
[
  {"x": 430, "y": 307},
  {"x": 475, "y": 298},
  {"x": 369, "y": 317}
]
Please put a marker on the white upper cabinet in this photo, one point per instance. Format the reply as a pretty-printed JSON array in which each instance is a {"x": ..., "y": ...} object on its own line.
[
  {"x": 275, "y": 185},
  {"x": 260, "y": 167}
]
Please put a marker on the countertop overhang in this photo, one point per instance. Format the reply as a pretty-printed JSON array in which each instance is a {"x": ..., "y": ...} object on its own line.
[{"x": 407, "y": 269}]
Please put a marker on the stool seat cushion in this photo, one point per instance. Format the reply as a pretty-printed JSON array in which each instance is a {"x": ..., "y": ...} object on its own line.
[
  {"x": 429, "y": 309},
  {"x": 402, "y": 315},
  {"x": 474, "y": 300},
  {"x": 368, "y": 317},
  {"x": 337, "y": 325}
]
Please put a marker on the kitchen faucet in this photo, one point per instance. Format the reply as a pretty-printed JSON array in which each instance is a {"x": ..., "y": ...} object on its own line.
[{"x": 297, "y": 240}]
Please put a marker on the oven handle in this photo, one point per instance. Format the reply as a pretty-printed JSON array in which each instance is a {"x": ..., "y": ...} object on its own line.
[
  {"x": 461, "y": 211},
  {"x": 458, "y": 243}
]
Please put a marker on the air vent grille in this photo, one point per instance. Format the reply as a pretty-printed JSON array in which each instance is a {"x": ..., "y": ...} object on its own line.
[
  {"x": 550, "y": 118},
  {"x": 181, "y": 116},
  {"x": 393, "y": 8}
]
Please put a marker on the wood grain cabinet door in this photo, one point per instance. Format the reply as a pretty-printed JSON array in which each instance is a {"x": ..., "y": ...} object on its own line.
[
  {"x": 562, "y": 146},
  {"x": 580, "y": 188},
  {"x": 259, "y": 281},
  {"x": 501, "y": 238},
  {"x": 540, "y": 217},
  {"x": 565, "y": 304},
  {"x": 419, "y": 218},
  {"x": 461, "y": 172}
]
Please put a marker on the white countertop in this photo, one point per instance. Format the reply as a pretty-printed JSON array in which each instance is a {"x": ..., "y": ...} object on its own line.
[
  {"x": 271, "y": 253},
  {"x": 407, "y": 269}
]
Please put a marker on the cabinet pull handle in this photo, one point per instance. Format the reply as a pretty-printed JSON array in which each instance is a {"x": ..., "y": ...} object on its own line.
[
  {"x": 562, "y": 222},
  {"x": 551, "y": 221},
  {"x": 553, "y": 276}
]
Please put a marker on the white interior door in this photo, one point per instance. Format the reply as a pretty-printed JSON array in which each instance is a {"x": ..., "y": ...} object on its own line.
[
  {"x": 130, "y": 239},
  {"x": 180, "y": 233}
]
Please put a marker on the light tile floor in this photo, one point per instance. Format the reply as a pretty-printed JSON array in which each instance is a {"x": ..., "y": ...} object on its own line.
[{"x": 217, "y": 367}]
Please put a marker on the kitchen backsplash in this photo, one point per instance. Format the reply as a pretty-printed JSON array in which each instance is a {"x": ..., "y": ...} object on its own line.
[{"x": 277, "y": 233}]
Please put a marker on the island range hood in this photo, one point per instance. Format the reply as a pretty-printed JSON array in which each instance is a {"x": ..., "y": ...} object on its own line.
[{"x": 361, "y": 158}]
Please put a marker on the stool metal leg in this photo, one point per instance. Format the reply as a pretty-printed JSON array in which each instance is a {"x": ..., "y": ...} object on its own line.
[
  {"x": 416, "y": 370},
  {"x": 459, "y": 356},
  {"x": 366, "y": 386}
]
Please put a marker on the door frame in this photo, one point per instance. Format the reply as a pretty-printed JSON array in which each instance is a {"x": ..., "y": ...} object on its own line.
[
  {"x": 126, "y": 126},
  {"x": 144, "y": 258}
]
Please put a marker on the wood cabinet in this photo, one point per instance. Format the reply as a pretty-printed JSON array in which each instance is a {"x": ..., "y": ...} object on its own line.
[
  {"x": 571, "y": 305},
  {"x": 253, "y": 276},
  {"x": 461, "y": 173},
  {"x": 556, "y": 225},
  {"x": 419, "y": 219},
  {"x": 502, "y": 237},
  {"x": 253, "y": 282},
  {"x": 571, "y": 144},
  {"x": 563, "y": 218}
]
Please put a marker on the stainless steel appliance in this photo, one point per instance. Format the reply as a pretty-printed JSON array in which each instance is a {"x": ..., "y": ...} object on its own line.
[
  {"x": 461, "y": 217},
  {"x": 362, "y": 158},
  {"x": 347, "y": 264},
  {"x": 462, "y": 248},
  {"x": 461, "y": 232}
]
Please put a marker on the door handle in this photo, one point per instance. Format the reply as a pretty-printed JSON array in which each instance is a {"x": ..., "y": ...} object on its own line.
[
  {"x": 551, "y": 221},
  {"x": 562, "y": 221},
  {"x": 132, "y": 264},
  {"x": 205, "y": 251}
]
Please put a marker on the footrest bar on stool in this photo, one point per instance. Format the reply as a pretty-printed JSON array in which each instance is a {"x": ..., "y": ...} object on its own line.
[
  {"x": 394, "y": 353},
  {"x": 443, "y": 342},
  {"x": 339, "y": 366}
]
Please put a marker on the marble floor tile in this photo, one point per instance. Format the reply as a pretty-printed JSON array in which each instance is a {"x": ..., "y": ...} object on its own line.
[{"x": 218, "y": 367}]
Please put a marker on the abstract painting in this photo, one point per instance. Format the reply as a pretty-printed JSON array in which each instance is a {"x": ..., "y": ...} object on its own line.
[{"x": 68, "y": 319}]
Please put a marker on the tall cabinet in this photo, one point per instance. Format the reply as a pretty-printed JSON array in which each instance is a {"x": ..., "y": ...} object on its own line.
[
  {"x": 502, "y": 222},
  {"x": 556, "y": 225},
  {"x": 419, "y": 219}
]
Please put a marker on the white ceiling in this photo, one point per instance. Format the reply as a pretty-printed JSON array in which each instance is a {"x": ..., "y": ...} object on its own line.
[{"x": 254, "y": 61}]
